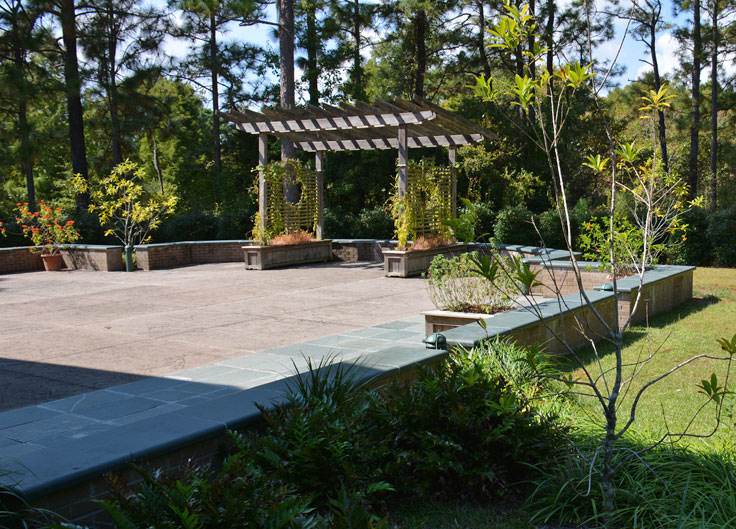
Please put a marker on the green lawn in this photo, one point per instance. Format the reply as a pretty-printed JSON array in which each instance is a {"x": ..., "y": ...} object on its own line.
[{"x": 690, "y": 330}]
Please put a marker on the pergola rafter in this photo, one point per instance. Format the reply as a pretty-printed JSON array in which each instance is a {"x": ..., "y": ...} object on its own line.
[{"x": 358, "y": 126}]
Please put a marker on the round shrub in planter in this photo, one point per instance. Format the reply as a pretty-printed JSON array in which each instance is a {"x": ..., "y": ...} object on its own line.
[
  {"x": 514, "y": 227},
  {"x": 721, "y": 230}
]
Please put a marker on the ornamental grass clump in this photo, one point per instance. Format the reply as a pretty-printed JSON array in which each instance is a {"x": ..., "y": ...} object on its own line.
[
  {"x": 454, "y": 286},
  {"x": 46, "y": 228},
  {"x": 293, "y": 237}
]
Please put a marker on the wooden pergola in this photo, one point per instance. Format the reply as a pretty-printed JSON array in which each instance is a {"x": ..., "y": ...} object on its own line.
[{"x": 400, "y": 125}]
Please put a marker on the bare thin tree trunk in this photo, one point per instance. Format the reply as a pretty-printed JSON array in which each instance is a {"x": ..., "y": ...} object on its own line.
[
  {"x": 695, "y": 108},
  {"x": 26, "y": 158}
]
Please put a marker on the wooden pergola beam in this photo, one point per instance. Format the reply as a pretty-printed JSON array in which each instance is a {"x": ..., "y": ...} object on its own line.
[
  {"x": 325, "y": 123},
  {"x": 413, "y": 142}
]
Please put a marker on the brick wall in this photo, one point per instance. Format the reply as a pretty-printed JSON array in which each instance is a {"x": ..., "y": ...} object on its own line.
[
  {"x": 169, "y": 255},
  {"x": 19, "y": 259}
]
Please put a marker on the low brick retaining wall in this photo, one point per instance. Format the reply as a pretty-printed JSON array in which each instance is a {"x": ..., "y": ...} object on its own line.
[
  {"x": 76, "y": 257},
  {"x": 663, "y": 288},
  {"x": 172, "y": 254}
]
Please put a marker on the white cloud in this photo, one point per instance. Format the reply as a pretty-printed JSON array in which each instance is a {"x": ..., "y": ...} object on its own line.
[{"x": 667, "y": 59}]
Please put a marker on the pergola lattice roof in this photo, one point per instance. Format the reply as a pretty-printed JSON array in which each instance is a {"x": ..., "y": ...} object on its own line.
[{"x": 362, "y": 126}]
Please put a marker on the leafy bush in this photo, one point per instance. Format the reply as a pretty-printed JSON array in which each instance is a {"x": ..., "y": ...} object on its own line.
[
  {"x": 453, "y": 286},
  {"x": 319, "y": 439},
  {"x": 374, "y": 223},
  {"x": 513, "y": 226},
  {"x": 721, "y": 230},
  {"x": 188, "y": 226},
  {"x": 460, "y": 430},
  {"x": 694, "y": 247},
  {"x": 341, "y": 224},
  {"x": 486, "y": 216},
  {"x": 595, "y": 243},
  {"x": 551, "y": 229}
]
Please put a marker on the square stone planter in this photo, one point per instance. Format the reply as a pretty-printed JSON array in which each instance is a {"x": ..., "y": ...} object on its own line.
[
  {"x": 443, "y": 320},
  {"x": 261, "y": 257},
  {"x": 407, "y": 263}
]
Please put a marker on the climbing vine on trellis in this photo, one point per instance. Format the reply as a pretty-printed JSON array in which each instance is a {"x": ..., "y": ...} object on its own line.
[
  {"x": 282, "y": 216},
  {"x": 427, "y": 203}
]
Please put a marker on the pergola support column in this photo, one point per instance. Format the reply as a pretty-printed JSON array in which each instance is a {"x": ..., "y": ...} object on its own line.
[
  {"x": 262, "y": 190},
  {"x": 319, "y": 162},
  {"x": 453, "y": 171},
  {"x": 403, "y": 160}
]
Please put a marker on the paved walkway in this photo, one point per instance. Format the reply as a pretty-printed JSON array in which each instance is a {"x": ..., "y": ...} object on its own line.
[{"x": 67, "y": 333}]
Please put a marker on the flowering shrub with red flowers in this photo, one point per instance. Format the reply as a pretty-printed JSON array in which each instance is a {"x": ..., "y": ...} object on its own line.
[{"x": 46, "y": 227}]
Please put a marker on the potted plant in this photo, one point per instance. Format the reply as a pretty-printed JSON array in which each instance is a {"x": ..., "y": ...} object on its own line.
[{"x": 48, "y": 231}]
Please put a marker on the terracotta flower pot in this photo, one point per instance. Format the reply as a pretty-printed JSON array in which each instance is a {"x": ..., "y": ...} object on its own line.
[{"x": 52, "y": 262}]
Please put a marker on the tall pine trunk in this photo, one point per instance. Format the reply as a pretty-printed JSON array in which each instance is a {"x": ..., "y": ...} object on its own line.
[
  {"x": 695, "y": 108},
  {"x": 657, "y": 86},
  {"x": 358, "y": 92},
  {"x": 479, "y": 4},
  {"x": 215, "y": 67},
  {"x": 420, "y": 52},
  {"x": 73, "y": 94},
  {"x": 112, "y": 90},
  {"x": 287, "y": 88},
  {"x": 312, "y": 47},
  {"x": 714, "y": 111}
]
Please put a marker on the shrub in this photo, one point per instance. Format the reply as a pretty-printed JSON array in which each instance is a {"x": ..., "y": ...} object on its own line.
[
  {"x": 721, "y": 230},
  {"x": 340, "y": 224},
  {"x": 374, "y": 223},
  {"x": 694, "y": 247},
  {"x": 453, "y": 286},
  {"x": 551, "y": 229},
  {"x": 319, "y": 439},
  {"x": 460, "y": 430},
  {"x": 485, "y": 214},
  {"x": 188, "y": 226},
  {"x": 513, "y": 226}
]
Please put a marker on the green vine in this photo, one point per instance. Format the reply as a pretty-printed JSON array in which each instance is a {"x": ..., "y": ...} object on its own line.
[
  {"x": 282, "y": 216},
  {"x": 427, "y": 204}
]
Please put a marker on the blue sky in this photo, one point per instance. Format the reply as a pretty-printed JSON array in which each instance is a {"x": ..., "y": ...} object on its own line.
[{"x": 631, "y": 55}]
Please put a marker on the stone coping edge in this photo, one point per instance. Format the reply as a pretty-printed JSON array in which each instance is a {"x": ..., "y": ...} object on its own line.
[
  {"x": 149, "y": 438},
  {"x": 68, "y": 246},
  {"x": 183, "y": 243},
  {"x": 506, "y": 322}
]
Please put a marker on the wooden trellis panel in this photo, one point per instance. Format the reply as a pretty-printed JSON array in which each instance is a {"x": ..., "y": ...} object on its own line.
[{"x": 429, "y": 198}]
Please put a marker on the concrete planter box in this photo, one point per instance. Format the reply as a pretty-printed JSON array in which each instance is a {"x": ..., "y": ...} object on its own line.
[
  {"x": 407, "y": 263},
  {"x": 259, "y": 257},
  {"x": 444, "y": 320}
]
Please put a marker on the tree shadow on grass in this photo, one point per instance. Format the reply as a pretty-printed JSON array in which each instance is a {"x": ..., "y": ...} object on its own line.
[{"x": 638, "y": 332}]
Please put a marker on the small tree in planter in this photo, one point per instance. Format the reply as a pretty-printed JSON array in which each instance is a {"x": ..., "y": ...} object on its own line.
[
  {"x": 48, "y": 231},
  {"x": 125, "y": 207}
]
